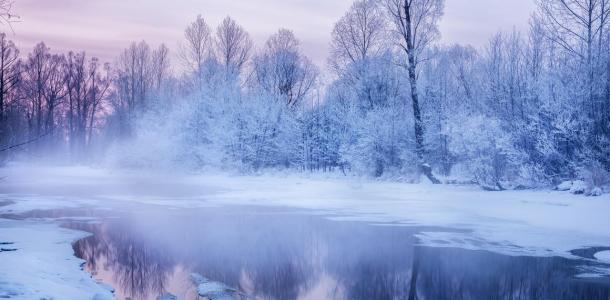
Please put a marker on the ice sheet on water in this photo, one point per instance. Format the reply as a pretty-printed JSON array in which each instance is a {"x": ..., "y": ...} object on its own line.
[
  {"x": 212, "y": 290},
  {"x": 603, "y": 256}
]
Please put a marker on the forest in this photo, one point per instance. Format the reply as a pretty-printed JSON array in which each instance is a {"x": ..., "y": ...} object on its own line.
[{"x": 530, "y": 109}]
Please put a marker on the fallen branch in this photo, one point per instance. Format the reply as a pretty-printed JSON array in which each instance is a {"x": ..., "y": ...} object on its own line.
[{"x": 24, "y": 143}]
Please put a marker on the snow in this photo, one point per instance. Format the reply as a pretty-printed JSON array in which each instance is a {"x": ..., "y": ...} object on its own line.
[
  {"x": 212, "y": 289},
  {"x": 564, "y": 186},
  {"x": 603, "y": 256},
  {"x": 43, "y": 266},
  {"x": 596, "y": 192},
  {"x": 527, "y": 222},
  {"x": 579, "y": 187}
]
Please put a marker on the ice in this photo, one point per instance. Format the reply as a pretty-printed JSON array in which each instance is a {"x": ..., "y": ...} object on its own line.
[
  {"x": 603, "y": 256},
  {"x": 212, "y": 290}
]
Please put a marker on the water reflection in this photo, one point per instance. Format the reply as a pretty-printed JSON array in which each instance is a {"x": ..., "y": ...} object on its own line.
[{"x": 288, "y": 255}]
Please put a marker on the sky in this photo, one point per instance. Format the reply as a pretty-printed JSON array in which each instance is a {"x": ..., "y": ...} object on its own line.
[{"x": 103, "y": 27}]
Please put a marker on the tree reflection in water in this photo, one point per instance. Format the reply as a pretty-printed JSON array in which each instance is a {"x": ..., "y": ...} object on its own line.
[
  {"x": 139, "y": 266},
  {"x": 279, "y": 254},
  {"x": 461, "y": 274}
]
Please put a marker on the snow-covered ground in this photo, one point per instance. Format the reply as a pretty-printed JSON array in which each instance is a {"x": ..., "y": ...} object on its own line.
[
  {"x": 536, "y": 222},
  {"x": 37, "y": 262}
]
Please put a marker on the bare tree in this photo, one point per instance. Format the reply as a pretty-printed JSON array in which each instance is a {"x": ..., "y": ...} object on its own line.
[
  {"x": 134, "y": 69},
  {"x": 416, "y": 26},
  {"x": 160, "y": 65},
  {"x": 359, "y": 34},
  {"x": 9, "y": 78},
  {"x": 233, "y": 45},
  {"x": 76, "y": 81},
  {"x": 576, "y": 25},
  {"x": 282, "y": 70},
  {"x": 54, "y": 91},
  {"x": 198, "y": 46},
  {"x": 37, "y": 73},
  {"x": 87, "y": 85},
  {"x": 100, "y": 80}
]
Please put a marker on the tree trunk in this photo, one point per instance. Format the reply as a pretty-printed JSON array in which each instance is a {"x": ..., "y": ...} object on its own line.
[{"x": 418, "y": 122}]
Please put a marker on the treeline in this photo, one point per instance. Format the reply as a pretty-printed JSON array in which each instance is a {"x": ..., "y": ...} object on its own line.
[
  {"x": 529, "y": 108},
  {"x": 60, "y": 104}
]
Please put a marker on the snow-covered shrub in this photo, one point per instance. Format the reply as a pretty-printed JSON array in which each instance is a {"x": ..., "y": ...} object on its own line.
[
  {"x": 485, "y": 149},
  {"x": 578, "y": 187},
  {"x": 595, "y": 192},
  {"x": 595, "y": 176},
  {"x": 375, "y": 124},
  {"x": 379, "y": 144},
  {"x": 265, "y": 134},
  {"x": 322, "y": 130}
]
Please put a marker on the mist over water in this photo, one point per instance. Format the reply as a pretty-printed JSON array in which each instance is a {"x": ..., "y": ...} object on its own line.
[{"x": 274, "y": 253}]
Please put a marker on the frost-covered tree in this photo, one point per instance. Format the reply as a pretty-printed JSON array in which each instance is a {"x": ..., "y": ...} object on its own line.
[
  {"x": 198, "y": 46},
  {"x": 415, "y": 27},
  {"x": 233, "y": 46},
  {"x": 530, "y": 107},
  {"x": 282, "y": 70},
  {"x": 579, "y": 30},
  {"x": 161, "y": 66},
  {"x": 358, "y": 35}
]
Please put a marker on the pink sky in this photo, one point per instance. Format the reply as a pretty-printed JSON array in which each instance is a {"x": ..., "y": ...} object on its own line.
[{"x": 104, "y": 27}]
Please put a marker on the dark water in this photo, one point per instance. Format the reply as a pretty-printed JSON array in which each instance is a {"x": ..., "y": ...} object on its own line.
[{"x": 283, "y": 254}]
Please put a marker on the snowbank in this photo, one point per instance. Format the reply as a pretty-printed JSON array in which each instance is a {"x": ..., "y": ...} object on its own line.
[{"x": 38, "y": 263}]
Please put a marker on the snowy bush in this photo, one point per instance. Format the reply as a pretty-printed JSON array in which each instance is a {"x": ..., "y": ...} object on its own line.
[
  {"x": 595, "y": 176},
  {"x": 379, "y": 145},
  {"x": 578, "y": 187},
  {"x": 595, "y": 192},
  {"x": 486, "y": 150}
]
